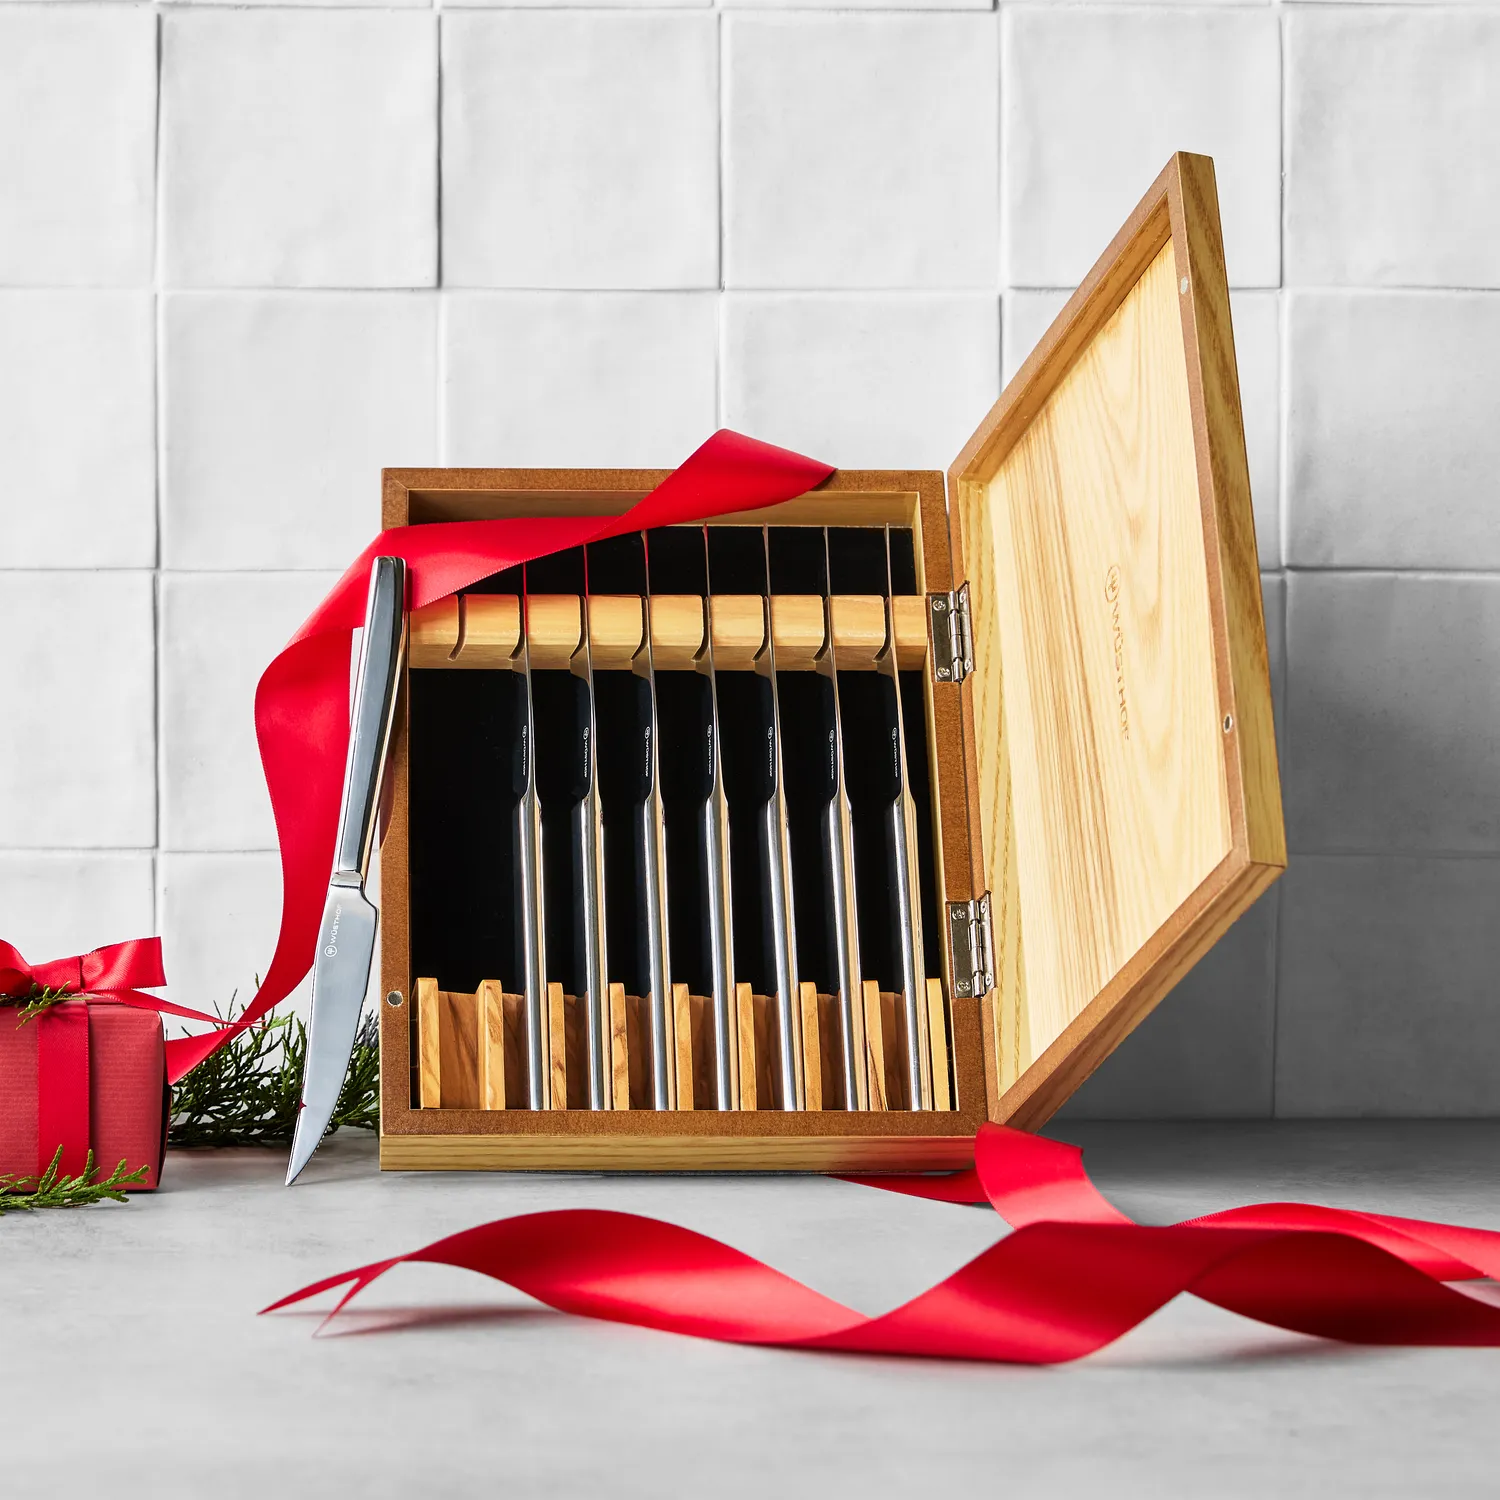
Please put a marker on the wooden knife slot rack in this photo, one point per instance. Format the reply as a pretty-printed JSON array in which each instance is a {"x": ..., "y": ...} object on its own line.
[
  {"x": 469, "y": 1045},
  {"x": 1081, "y": 673},
  {"x": 471, "y": 1052}
]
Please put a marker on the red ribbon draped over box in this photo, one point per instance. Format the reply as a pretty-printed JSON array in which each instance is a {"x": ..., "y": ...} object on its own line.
[
  {"x": 302, "y": 699},
  {"x": 86, "y": 1073}
]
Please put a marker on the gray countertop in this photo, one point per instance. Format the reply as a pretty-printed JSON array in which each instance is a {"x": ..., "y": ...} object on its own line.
[{"x": 134, "y": 1363}]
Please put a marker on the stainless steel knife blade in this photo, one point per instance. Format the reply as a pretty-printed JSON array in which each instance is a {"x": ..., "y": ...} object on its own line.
[
  {"x": 903, "y": 834},
  {"x": 777, "y": 830},
  {"x": 346, "y": 936},
  {"x": 532, "y": 894},
  {"x": 652, "y": 834},
  {"x": 716, "y": 846},
  {"x": 588, "y": 836},
  {"x": 838, "y": 832}
]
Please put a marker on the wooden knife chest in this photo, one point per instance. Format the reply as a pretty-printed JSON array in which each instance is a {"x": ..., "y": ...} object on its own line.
[{"x": 1083, "y": 616}]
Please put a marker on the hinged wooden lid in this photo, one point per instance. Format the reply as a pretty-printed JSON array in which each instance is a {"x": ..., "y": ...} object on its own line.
[{"x": 1120, "y": 749}]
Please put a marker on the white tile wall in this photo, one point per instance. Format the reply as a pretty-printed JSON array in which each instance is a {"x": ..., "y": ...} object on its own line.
[
  {"x": 860, "y": 151},
  {"x": 1393, "y": 446},
  {"x": 862, "y": 380},
  {"x": 580, "y": 151},
  {"x": 1100, "y": 98},
  {"x": 1393, "y": 713},
  {"x": 591, "y": 378},
  {"x": 217, "y": 914},
  {"x": 76, "y": 679},
  {"x": 218, "y": 633},
  {"x": 299, "y": 148},
  {"x": 77, "y": 141},
  {"x": 280, "y": 412},
  {"x": 59, "y": 904},
  {"x": 1393, "y": 149},
  {"x": 78, "y": 429},
  {"x": 250, "y": 254}
]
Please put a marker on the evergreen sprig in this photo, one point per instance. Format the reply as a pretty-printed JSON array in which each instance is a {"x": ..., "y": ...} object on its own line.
[
  {"x": 37, "y": 999},
  {"x": 54, "y": 1190},
  {"x": 249, "y": 1091}
]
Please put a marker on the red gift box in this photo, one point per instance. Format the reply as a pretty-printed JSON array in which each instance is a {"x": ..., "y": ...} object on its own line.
[
  {"x": 118, "y": 1108},
  {"x": 88, "y": 1073}
]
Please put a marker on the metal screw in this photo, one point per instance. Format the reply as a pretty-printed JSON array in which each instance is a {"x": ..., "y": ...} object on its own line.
[
  {"x": 1228, "y": 722},
  {"x": 393, "y": 998},
  {"x": 1184, "y": 286},
  {"x": 943, "y": 674}
]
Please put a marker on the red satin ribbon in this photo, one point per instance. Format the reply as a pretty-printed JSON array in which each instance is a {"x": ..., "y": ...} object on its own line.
[
  {"x": 302, "y": 701},
  {"x": 1073, "y": 1276},
  {"x": 116, "y": 973},
  {"x": 135, "y": 965},
  {"x": 62, "y": 1087}
]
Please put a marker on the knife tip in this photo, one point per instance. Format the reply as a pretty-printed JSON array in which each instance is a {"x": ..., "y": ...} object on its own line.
[{"x": 300, "y": 1156}]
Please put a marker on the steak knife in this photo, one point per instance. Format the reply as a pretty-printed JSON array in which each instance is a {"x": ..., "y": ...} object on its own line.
[
  {"x": 716, "y": 848},
  {"x": 346, "y": 936},
  {"x": 528, "y": 846},
  {"x": 777, "y": 831},
  {"x": 903, "y": 832},
  {"x": 652, "y": 834},
  {"x": 838, "y": 832},
  {"x": 588, "y": 837}
]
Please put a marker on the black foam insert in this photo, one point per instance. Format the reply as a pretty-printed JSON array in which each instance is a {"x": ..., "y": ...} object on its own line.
[
  {"x": 464, "y": 741},
  {"x": 737, "y": 559},
  {"x": 617, "y": 565},
  {"x": 856, "y": 560},
  {"x": 796, "y": 560},
  {"x": 683, "y": 719},
  {"x": 622, "y": 714},
  {"x": 677, "y": 561},
  {"x": 746, "y": 731},
  {"x": 465, "y": 765}
]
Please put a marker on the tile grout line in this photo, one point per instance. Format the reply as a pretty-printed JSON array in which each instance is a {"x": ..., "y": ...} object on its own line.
[
  {"x": 440, "y": 322},
  {"x": 1278, "y": 941},
  {"x": 158, "y": 322},
  {"x": 721, "y": 352}
]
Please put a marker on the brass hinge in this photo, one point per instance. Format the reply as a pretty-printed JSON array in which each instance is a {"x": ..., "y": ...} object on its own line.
[
  {"x": 952, "y": 635},
  {"x": 972, "y": 942}
]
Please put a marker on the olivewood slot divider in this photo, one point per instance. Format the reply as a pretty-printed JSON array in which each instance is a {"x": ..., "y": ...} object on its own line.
[{"x": 472, "y": 1048}]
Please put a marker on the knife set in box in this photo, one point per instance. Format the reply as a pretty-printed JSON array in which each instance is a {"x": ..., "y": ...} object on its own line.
[{"x": 815, "y": 837}]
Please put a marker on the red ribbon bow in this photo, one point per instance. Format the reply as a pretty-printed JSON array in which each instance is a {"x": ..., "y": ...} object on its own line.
[
  {"x": 135, "y": 965},
  {"x": 1074, "y": 1275},
  {"x": 117, "y": 973}
]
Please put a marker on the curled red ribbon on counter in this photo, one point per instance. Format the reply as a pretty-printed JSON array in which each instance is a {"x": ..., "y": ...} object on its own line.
[
  {"x": 1074, "y": 1275},
  {"x": 302, "y": 700}
]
